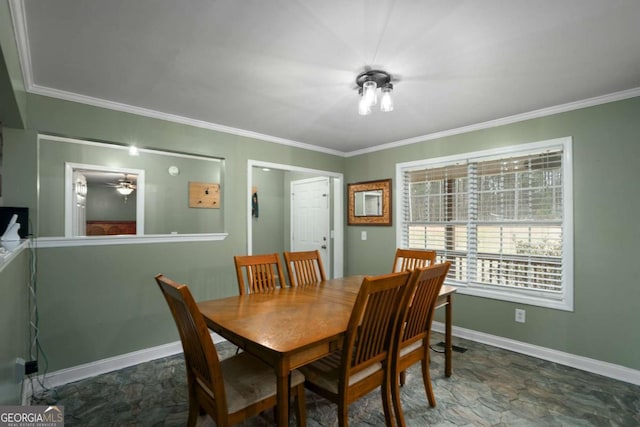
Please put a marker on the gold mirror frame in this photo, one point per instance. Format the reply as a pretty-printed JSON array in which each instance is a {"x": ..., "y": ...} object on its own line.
[{"x": 383, "y": 185}]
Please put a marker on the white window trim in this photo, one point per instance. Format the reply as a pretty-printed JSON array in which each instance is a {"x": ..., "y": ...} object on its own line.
[{"x": 563, "y": 301}]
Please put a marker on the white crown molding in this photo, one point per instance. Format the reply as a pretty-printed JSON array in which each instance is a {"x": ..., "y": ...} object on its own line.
[
  {"x": 606, "y": 369},
  {"x": 21, "y": 34},
  {"x": 543, "y": 112},
  {"x": 19, "y": 21},
  {"x": 174, "y": 118}
]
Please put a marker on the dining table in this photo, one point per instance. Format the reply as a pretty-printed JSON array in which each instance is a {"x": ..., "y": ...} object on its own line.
[{"x": 292, "y": 326}]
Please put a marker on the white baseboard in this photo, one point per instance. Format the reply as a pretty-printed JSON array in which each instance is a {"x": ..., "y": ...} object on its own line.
[
  {"x": 579, "y": 362},
  {"x": 87, "y": 370}
]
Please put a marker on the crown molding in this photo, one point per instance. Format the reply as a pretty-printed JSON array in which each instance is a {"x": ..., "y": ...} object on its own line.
[
  {"x": 543, "y": 112},
  {"x": 21, "y": 34}
]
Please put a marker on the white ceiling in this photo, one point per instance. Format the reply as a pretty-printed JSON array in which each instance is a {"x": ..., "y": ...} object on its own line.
[{"x": 285, "y": 70}]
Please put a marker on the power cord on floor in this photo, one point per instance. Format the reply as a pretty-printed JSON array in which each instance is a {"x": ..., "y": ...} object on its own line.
[{"x": 43, "y": 394}]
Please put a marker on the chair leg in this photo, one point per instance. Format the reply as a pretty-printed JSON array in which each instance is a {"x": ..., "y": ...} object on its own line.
[
  {"x": 403, "y": 377},
  {"x": 397, "y": 405},
  {"x": 301, "y": 408},
  {"x": 385, "y": 390},
  {"x": 343, "y": 414},
  {"x": 426, "y": 378},
  {"x": 194, "y": 411}
]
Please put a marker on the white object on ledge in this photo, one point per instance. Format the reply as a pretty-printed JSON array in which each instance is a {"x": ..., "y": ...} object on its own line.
[{"x": 11, "y": 233}]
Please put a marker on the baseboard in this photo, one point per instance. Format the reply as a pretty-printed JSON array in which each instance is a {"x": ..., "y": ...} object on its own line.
[
  {"x": 35, "y": 385},
  {"x": 606, "y": 369},
  {"x": 87, "y": 370}
]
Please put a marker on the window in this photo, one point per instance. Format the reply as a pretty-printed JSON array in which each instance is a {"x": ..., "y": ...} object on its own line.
[{"x": 503, "y": 218}]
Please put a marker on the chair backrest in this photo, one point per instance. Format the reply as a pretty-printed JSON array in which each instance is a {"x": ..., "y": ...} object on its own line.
[
  {"x": 425, "y": 284},
  {"x": 372, "y": 322},
  {"x": 304, "y": 268},
  {"x": 263, "y": 273},
  {"x": 410, "y": 259},
  {"x": 200, "y": 355}
]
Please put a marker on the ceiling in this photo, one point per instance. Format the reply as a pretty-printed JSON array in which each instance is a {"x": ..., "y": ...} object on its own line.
[{"x": 285, "y": 71}]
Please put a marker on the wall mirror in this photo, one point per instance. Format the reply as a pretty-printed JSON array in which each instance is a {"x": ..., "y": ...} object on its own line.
[
  {"x": 101, "y": 189},
  {"x": 370, "y": 203}
]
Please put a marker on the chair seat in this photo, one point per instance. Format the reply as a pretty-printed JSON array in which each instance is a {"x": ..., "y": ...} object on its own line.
[
  {"x": 326, "y": 372},
  {"x": 410, "y": 348},
  {"x": 248, "y": 380}
]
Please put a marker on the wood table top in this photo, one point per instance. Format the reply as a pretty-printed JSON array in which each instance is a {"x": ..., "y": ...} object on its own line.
[{"x": 266, "y": 319}]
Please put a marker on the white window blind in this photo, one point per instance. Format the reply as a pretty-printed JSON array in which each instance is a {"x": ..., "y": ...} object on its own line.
[{"x": 500, "y": 218}]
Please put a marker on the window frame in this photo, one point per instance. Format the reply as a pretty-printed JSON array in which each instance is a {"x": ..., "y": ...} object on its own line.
[{"x": 564, "y": 300}]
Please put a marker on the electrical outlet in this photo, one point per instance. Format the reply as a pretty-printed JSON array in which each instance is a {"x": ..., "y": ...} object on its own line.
[{"x": 521, "y": 315}]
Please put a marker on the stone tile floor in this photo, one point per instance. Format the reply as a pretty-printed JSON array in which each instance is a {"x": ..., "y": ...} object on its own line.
[{"x": 489, "y": 387}]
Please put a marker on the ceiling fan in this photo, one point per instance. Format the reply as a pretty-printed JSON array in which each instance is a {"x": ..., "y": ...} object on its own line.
[{"x": 124, "y": 186}]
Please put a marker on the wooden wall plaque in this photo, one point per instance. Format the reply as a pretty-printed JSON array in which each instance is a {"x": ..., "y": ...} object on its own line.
[{"x": 204, "y": 195}]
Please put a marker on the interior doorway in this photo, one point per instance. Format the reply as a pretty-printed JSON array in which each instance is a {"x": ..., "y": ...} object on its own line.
[{"x": 258, "y": 212}]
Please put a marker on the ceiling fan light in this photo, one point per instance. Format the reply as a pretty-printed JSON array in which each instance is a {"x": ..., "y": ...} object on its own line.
[
  {"x": 364, "y": 109},
  {"x": 124, "y": 190},
  {"x": 386, "y": 102},
  {"x": 369, "y": 92}
]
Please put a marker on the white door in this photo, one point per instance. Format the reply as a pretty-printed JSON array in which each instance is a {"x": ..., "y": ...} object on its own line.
[
  {"x": 79, "y": 200},
  {"x": 310, "y": 212}
]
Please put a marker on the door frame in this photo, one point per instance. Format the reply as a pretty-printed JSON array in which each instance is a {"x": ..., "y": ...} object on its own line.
[{"x": 337, "y": 238}]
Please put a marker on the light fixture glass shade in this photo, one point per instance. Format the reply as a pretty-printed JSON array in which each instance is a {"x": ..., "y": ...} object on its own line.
[
  {"x": 364, "y": 108},
  {"x": 369, "y": 92},
  {"x": 125, "y": 191},
  {"x": 386, "y": 102}
]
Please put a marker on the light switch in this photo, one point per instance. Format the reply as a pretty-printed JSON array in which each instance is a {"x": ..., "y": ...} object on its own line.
[{"x": 363, "y": 235}]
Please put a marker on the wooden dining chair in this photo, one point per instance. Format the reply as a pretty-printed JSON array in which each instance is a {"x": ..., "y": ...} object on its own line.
[
  {"x": 230, "y": 390},
  {"x": 409, "y": 259},
  {"x": 263, "y": 273},
  {"x": 415, "y": 331},
  {"x": 304, "y": 268},
  {"x": 361, "y": 365}
]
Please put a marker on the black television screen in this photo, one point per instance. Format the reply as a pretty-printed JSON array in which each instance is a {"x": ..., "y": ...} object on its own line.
[{"x": 7, "y": 212}]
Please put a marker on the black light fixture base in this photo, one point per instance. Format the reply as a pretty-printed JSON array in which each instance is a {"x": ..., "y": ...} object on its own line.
[{"x": 380, "y": 77}]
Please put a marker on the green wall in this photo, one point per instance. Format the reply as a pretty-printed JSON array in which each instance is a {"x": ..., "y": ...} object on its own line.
[
  {"x": 14, "y": 325},
  {"x": 12, "y": 94},
  {"x": 606, "y": 151},
  {"x": 267, "y": 230},
  {"x": 102, "y": 301}
]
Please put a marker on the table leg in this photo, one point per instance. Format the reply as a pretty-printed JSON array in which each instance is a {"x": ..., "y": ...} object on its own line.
[
  {"x": 447, "y": 337},
  {"x": 283, "y": 388}
]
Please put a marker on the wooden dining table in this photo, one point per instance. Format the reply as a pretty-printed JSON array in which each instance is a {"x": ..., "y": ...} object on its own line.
[{"x": 290, "y": 327}]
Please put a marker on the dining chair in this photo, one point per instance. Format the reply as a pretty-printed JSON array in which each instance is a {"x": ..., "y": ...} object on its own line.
[
  {"x": 263, "y": 273},
  {"x": 230, "y": 390},
  {"x": 414, "y": 331},
  {"x": 304, "y": 268},
  {"x": 361, "y": 365},
  {"x": 409, "y": 259}
]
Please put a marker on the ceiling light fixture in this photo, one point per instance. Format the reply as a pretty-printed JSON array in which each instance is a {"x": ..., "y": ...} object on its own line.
[
  {"x": 125, "y": 190},
  {"x": 368, "y": 83}
]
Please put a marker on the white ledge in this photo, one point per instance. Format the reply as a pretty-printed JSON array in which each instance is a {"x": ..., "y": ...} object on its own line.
[
  {"x": 59, "y": 242},
  {"x": 12, "y": 250}
]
